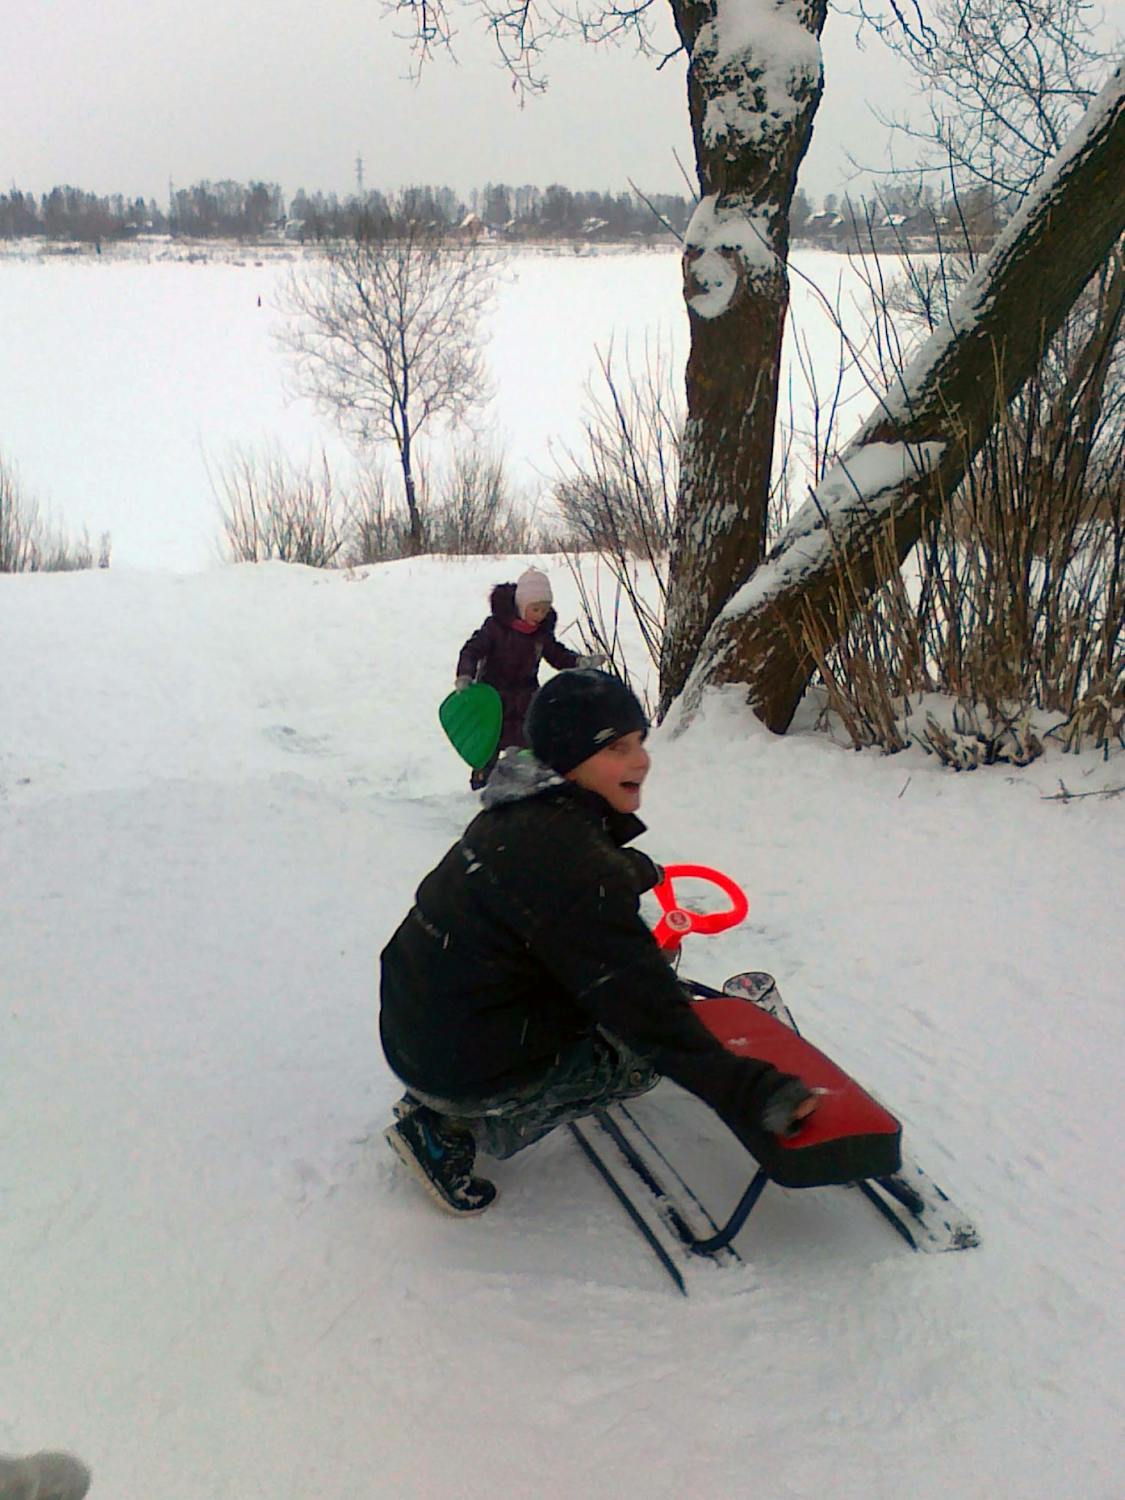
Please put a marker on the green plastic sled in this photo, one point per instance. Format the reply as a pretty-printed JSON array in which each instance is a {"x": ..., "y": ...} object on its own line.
[{"x": 471, "y": 720}]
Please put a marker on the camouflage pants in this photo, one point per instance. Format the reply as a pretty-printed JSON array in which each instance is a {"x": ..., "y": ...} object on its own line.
[{"x": 592, "y": 1073}]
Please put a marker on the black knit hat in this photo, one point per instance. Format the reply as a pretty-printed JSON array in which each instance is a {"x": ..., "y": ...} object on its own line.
[{"x": 577, "y": 714}]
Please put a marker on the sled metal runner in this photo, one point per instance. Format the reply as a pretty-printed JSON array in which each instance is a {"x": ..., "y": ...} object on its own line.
[
  {"x": 705, "y": 1244},
  {"x": 639, "y": 1220},
  {"x": 919, "y": 1211},
  {"x": 925, "y": 1216}
]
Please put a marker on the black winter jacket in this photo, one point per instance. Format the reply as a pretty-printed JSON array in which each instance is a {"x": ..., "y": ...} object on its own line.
[{"x": 528, "y": 935}]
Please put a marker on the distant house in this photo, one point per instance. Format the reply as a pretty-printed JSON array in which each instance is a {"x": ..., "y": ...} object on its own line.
[
  {"x": 472, "y": 227},
  {"x": 826, "y": 227}
]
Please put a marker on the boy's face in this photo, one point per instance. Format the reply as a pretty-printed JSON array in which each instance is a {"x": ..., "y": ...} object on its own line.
[
  {"x": 616, "y": 773},
  {"x": 535, "y": 614}
]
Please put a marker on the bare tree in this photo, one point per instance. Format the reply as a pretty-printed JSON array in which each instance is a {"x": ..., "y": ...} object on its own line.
[
  {"x": 1018, "y": 574},
  {"x": 755, "y": 81},
  {"x": 385, "y": 335},
  {"x": 617, "y": 497},
  {"x": 1004, "y": 81},
  {"x": 273, "y": 508}
]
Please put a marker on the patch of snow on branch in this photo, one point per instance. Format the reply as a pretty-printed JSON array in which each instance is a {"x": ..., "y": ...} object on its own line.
[
  {"x": 866, "y": 480},
  {"x": 721, "y": 244},
  {"x": 757, "y": 65},
  {"x": 864, "y": 474}
]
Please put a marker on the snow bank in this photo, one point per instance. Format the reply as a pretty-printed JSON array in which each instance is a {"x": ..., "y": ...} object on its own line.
[{"x": 217, "y": 794}]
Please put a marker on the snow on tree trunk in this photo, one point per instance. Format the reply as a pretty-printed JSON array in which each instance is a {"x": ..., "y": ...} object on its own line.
[
  {"x": 917, "y": 446},
  {"x": 754, "y": 83}
]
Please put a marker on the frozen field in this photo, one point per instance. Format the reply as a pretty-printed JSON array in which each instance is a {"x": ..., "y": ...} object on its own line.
[{"x": 122, "y": 378}]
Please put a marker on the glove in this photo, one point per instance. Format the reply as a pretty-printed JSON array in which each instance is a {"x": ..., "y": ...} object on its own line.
[
  {"x": 462, "y": 683},
  {"x": 595, "y": 659},
  {"x": 782, "y": 1104}
]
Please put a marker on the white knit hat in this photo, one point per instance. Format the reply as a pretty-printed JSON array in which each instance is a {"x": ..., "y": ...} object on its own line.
[{"x": 532, "y": 587}]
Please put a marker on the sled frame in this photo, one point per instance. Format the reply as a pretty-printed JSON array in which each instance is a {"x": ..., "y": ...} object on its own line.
[
  {"x": 723, "y": 1236},
  {"x": 915, "y": 1207}
]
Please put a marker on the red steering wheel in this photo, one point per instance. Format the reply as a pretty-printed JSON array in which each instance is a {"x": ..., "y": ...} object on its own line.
[{"x": 675, "y": 923}]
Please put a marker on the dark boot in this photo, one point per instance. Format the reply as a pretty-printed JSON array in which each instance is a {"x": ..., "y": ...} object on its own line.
[{"x": 441, "y": 1157}]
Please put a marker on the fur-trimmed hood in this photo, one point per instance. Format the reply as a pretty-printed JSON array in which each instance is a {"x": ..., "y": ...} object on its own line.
[
  {"x": 502, "y": 603},
  {"x": 518, "y": 775}
]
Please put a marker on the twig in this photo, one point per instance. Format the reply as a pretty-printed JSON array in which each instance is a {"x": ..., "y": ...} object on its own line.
[
  {"x": 652, "y": 208},
  {"x": 1066, "y": 795}
]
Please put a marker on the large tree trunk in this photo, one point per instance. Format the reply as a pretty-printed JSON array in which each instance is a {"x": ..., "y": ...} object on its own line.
[
  {"x": 917, "y": 447},
  {"x": 754, "y": 84}
]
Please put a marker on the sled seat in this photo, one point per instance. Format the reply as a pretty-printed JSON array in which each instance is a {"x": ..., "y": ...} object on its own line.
[{"x": 849, "y": 1137}]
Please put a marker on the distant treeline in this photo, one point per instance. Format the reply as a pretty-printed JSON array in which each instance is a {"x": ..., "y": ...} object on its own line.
[{"x": 258, "y": 211}]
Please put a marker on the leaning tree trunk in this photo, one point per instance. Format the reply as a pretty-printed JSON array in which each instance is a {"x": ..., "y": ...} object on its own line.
[
  {"x": 917, "y": 447},
  {"x": 754, "y": 84}
]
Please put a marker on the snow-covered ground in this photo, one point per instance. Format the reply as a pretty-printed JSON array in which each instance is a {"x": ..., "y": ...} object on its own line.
[
  {"x": 126, "y": 380},
  {"x": 217, "y": 794}
]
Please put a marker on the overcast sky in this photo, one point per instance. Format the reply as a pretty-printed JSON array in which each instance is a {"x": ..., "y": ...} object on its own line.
[{"x": 124, "y": 95}]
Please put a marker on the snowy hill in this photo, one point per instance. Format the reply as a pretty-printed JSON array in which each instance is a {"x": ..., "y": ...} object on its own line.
[{"x": 217, "y": 794}]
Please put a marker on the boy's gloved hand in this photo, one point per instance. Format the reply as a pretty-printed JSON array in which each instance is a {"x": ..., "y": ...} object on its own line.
[
  {"x": 779, "y": 1113},
  {"x": 461, "y": 683},
  {"x": 595, "y": 659}
]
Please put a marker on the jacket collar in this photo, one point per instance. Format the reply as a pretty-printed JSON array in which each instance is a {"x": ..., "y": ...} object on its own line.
[
  {"x": 621, "y": 827},
  {"x": 519, "y": 776}
]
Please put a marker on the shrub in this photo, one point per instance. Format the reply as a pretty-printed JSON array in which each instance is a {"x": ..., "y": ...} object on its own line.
[
  {"x": 274, "y": 509},
  {"x": 1013, "y": 604},
  {"x": 29, "y": 544}
]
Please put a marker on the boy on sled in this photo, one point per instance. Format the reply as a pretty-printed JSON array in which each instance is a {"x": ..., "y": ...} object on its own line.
[{"x": 523, "y": 990}]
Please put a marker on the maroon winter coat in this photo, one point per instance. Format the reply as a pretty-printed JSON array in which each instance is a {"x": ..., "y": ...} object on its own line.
[{"x": 508, "y": 659}]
